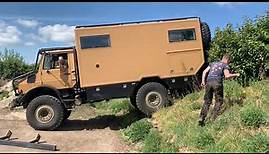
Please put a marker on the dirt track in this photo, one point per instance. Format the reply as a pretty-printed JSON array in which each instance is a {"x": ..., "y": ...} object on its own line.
[{"x": 97, "y": 134}]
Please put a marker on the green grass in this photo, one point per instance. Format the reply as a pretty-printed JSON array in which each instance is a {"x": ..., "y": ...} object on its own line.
[
  {"x": 242, "y": 125},
  {"x": 253, "y": 116},
  {"x": 3, "y": 94},
  {"x": 137, "y": 131},
  {"x": 114, "y": 106},
  {"x": 258, "y": 143}
]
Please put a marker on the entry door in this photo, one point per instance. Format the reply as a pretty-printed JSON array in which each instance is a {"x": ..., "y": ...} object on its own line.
[{"x": 56, "y": 75}]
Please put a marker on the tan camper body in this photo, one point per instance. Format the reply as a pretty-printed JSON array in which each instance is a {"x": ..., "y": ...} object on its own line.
[{"x": 137, "y": 51}]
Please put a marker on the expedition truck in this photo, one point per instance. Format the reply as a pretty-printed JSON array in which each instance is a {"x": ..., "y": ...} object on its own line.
[{"x": 147, "y": 61}]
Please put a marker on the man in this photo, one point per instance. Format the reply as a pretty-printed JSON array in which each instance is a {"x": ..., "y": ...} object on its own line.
[{"x": 214, "y": 84}]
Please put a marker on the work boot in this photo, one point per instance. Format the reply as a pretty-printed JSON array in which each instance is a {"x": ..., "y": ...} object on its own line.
[{"x": 201, "y": 122}]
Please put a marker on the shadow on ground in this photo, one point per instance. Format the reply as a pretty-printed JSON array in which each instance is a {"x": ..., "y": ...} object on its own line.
[{"x": 114, "y": 122}]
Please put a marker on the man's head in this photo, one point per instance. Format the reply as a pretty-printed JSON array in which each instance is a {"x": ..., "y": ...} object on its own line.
[{"x": 226, "y": 58}]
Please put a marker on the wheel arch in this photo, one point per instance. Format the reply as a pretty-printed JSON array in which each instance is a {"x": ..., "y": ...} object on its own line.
[
  {"x": 38, "y": 91},
  {"x": 147, "y": 80}
]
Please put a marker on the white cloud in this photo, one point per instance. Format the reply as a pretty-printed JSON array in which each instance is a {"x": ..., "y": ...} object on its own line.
[
  {"x": 9, "y": 34},
  {"x": 29, "y": 44},
  {"x": 28, "y": 23},
  {"x": 57, "y": 33}
]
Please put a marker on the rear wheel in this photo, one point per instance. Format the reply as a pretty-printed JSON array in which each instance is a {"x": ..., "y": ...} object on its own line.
[
  {"x": 45, "y": 113},
  {"x": 151, "y": 97}
]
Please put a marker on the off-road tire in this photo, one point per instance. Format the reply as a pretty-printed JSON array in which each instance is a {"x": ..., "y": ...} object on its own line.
[
  {"x": 146, "y": 89},
  {"x": 50, "y": 101},
  {"x": 206, "y": 35}
]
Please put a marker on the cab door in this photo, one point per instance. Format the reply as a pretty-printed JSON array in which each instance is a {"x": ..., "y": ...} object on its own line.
[{"x": 58, "y": 70}]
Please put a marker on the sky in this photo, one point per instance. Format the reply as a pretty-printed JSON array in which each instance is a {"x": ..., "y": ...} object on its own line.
[{"x": 28, "y": 26}]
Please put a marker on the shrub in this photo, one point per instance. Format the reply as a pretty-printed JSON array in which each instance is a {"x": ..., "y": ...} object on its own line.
[
  {"x": 138, "y": 130},
  {"x": 247, "y": 45},
  {"x": 257, "y": 143},
  {"x": 253, "y": 116}
]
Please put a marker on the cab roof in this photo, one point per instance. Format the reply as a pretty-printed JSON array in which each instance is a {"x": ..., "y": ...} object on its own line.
[{"x": 54, "y": 48}]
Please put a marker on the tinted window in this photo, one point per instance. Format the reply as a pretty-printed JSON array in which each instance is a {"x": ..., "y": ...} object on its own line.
[
  {"x": 181, "y": 35},
  {"x": 94, "y": 41}
]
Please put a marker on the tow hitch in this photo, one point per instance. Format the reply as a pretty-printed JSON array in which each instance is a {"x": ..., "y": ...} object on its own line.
[{"x": 35, "y": 144}]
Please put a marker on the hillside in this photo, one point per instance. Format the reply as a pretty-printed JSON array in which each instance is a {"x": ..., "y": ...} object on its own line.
[{"x": 243, "y": 125}]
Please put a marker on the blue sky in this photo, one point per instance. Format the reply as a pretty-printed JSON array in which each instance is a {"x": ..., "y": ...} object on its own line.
[{"x": 28, "y": 26}]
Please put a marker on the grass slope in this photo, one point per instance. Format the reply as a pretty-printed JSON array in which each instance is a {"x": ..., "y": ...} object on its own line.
[{"x": 243, "y": 125}]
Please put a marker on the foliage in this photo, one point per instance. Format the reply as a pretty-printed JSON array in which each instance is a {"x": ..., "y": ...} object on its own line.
[
  {"x": 12, "y": 64},
  {"x": 248, "y": 47}
]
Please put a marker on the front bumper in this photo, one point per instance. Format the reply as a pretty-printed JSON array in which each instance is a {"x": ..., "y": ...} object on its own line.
[{"x": 16, "y": 102}]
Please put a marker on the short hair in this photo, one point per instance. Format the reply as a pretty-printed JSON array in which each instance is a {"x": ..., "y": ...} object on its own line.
[{"x": 226, "y": 56}]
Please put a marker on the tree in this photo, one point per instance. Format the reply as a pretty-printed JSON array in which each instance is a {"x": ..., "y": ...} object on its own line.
[
  {"x": 248, "y": 47},
  {"x": 12, "y": 64}
]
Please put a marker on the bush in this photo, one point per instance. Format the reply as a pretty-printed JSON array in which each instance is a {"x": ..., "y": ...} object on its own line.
[
  {"x": 257, "y": 143},
  {"x": 248, "y": 47},
  {"x": 12, "y": 64},
  {"x": 138, "y": 130},
  {"x": 253, "y": 116}
]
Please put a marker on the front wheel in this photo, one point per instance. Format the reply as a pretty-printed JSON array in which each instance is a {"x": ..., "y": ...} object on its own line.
[
  {"x": 45, "y": 113},
  {"x": 151, "y": 97}
]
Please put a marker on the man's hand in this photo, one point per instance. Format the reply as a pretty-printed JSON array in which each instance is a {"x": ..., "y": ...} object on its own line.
[
  {"x": 203, "y": 84},
  {"x": 237, "y": 74},
  {"x": 229, "y": 75}
]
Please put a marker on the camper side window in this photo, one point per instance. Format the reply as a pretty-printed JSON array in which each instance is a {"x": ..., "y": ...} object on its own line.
[
  {"x": 95, "y": 41},
  {"x": 181, "y": 35}
]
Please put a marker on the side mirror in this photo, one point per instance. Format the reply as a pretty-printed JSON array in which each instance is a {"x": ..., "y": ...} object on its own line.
[{"x": 31, "y": 78}]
